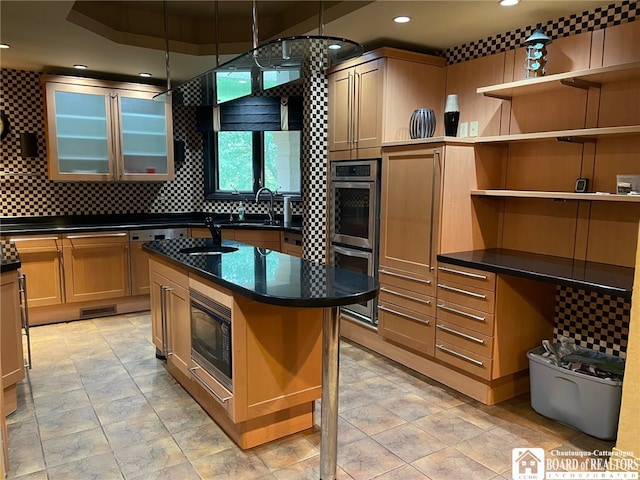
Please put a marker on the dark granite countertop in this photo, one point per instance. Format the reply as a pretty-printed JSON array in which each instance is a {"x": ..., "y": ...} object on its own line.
[
  {"x": 591, "y": 276},
  {"x": 268, "y": 276},
  {"x": 85, "y": 223},
  {"x": 9, "y": 258}
]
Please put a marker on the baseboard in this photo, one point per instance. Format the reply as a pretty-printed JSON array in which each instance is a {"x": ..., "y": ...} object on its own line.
[{"x": 68, "y": 312}]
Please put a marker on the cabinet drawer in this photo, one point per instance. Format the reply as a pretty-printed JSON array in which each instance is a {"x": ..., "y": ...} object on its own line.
[
  {"x": 215, "y": 391},
  {"x": 407, "y": 299},
  {"x": 393, "y": 278},
  {"x": 463, "y": 359},
  {"x": 466, "y": 317},
  {"x": 406, "y": 327},
  {"x": 467, "y": 296},
  {"x": 463, "y": 337},
  {"x": 467, "y": 276}
]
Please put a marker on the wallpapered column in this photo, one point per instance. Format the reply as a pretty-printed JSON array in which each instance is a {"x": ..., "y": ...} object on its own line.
[{"x": 314, "y": 155}]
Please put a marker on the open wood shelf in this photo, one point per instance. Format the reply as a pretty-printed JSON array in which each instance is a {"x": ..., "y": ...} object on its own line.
[
  {"x": 577, "y": 78},
  {"x": 605, "y": 197},
  {"x": 578, "y": 136}
]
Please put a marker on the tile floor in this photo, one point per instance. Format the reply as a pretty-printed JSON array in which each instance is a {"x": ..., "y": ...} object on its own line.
[{"x": 98, "y": 405}]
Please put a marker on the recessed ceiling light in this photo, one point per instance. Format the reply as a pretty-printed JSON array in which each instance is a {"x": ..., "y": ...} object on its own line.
[
  {"x": 5, "y": 45},
  {"x": 402, "y": 19},
  {"x": 144, "y": 74},
  {"x": 509, "y": 3},
  {"x": 80, "y": 67},
  {"x": 334, "y": 46}
]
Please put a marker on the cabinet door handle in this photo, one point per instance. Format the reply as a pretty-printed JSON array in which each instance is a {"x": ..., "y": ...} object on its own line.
[
  {"x": 205, "y": 385},
  {"x": 410, "y": 317},
  {"x": 97, "y": 235},
  {"x": 436, "y": 160},
  {"x": 356, "y": 113},
  {"x": 24, "y": 311},
  {"x": 460, "y": 355},
  {"x": 463, "y": 273},
  {"x": 463, "y": 292},
  {"x": 163, "y": 318},
  {"x": 461, "y": 313},
  {"x": 32, "y": 239},
  {"x": 460, "y": 334},
  {"x": 409, "y": 297},
  {"x": 406, "y": 277}
]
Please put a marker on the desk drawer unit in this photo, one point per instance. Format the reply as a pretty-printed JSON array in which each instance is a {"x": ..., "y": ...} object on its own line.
[
  {"x": 467, "y": 276},
  {"x": 466, "y": 295},
  {"x": 393, "y": 278},
  {"x": 410, "y": 328},
  {"x": 468, "y": 339},
  {"x": 466, "y": 317},
  {"x": 463, "y": 359}
]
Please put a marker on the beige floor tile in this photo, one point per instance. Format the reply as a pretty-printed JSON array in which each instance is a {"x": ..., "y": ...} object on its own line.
[
  {"x": 448, "y": 427},
  {"x": 451, "y": 464},
  {"x": 406, "y": 472},
  {"x": 202, "y": 440},
  {"x": 115, "y": 374},
  {"x": 411, "y": 406},
  {"x": 231, "y": 464},
  {"x": 108, "y": 391},
  {"x": 184, "y": 418},
  {"x": 58, "y": 384},
  {"x": 372, "y": 418},
  {"x": 491, "y": 449},
  {"x": 366, "y": 459},
  {"x": 308, "y": 469},
  {"x": 25, "y": 459},
  {"x": 182, "y": 471},
  {"x": 145, "y": 367},
  {"x": 122, "y": 409},
  {"x": 135, "y": 430},
  {"x": 98, "y": 467},
  {"x": 39, "y": 475},
  {"x": 285, "y": 451},
  {"x": 58, "y": 424},
  {"x": 146, "y": 458},
  {"x": 75, "y": 446},
  {"x": 59, "y": 402},
  {"x": 409, "y": 442}
]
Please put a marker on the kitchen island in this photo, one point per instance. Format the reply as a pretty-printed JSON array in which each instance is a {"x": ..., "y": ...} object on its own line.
[{"x": 284, "y": 335}]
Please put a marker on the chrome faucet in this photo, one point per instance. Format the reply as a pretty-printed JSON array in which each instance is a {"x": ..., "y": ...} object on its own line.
[{"x": 271, "y": 212}]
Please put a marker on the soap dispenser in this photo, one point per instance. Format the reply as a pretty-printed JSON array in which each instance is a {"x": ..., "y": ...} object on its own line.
[{"x": 241, "y": 211}]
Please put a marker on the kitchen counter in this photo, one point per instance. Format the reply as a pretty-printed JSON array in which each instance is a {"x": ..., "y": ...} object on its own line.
[
  {"x": 268, "y": 276},
  {"x": 93, "y": 223},
  {"x": 592, "y": 276},
  {"x": 9, "y": 258}
]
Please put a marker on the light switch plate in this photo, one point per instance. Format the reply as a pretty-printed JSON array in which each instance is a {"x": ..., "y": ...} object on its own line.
[
  {"x": 473, "y": 129},
  {"x": 464, "y": 129}
]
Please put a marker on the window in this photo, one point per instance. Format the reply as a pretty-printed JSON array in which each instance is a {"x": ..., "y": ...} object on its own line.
[{"x": 251, "y": 150}]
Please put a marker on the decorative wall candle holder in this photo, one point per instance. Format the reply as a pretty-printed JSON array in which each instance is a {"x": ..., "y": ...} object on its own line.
[
  {"x": 422, "y": 123},
  {"x": 536, "y": 54},
  {"x": 451, "y": 116}
]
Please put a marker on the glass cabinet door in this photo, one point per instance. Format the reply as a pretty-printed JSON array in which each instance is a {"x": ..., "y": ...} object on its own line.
[
  {"x": 80, "y": 128},
  {"x": 144, "y": 146}
]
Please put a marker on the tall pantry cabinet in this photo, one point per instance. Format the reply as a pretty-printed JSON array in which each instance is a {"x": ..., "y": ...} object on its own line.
[{"x": 371, "y": 100}]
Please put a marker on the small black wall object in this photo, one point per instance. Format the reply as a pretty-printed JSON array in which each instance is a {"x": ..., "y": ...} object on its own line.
[
  {"x": 178, "y": 151},
  {"x": 28, "y": 144},
  {"x": 581, "y": 185}
]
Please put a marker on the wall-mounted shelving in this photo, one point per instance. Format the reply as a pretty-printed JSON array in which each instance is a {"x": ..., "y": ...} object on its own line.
[
  {"x": 578, "y": 78},
  {"x": 581, "y": 135},
  {"x": 604, "y": 197}
]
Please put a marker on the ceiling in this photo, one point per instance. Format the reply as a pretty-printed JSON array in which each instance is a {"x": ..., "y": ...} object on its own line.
[{"x": 127, "y": 37}]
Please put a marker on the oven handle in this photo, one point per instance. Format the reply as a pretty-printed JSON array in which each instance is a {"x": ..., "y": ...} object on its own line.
[
  {"x": 351, "y": 253},
  {"x": 204, "y": 384}
]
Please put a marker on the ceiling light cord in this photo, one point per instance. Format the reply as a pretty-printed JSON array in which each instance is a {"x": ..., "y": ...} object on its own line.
[
  {"x": 254, "y": 23},
  {"x": 320, "y": 18},
  {"x": 217, "y": 36},
  {"x": 166, "y": 42}
]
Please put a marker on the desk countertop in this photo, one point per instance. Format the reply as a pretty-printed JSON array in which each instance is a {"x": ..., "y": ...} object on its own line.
[{"x": 601, "y": 277}]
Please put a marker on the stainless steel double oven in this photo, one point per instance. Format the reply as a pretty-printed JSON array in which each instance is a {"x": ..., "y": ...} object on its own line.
[{"x": 354, "y": 224}]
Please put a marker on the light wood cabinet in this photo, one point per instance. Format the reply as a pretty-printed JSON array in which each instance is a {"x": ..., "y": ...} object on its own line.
[
  {"x": 259, "y": 237},
  {"x": 96, "y": 266},
  {"x": 41, "y": 263},
  {"x": 291, "y": 243},
  {"x": 12, "y": 355},
  {"x": 170, "y": 314},
  {"x": 107, "y": 131},
  {"x": 139, "y": 269},
  {"x": 371, "y": 100}
]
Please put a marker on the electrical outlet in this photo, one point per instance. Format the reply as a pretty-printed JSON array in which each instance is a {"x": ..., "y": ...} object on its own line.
[
  {"x": 473, "y": 129},
  {"x": 464, "y": 129}
]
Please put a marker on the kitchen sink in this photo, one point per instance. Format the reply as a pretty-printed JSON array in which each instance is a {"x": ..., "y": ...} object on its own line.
[{"x": 209, "y": 250}]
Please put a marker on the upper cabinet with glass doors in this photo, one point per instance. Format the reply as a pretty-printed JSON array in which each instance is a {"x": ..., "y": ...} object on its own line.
[{"x": 106, "y": 131}]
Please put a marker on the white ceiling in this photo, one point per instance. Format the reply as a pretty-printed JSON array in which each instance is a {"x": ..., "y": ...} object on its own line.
[{"x": 48, "y": 34}]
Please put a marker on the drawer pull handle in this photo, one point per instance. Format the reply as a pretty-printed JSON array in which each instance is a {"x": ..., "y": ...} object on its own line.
[
  {"x": 460, "y": 312},
  {"x": 33, "y": 239},
  {"x": 409, "y": 297},
  {"x": 410, "y": 317},
  {"x": 204, "y": 384},
  {"x": 463, "y": 273},
  {"x": 103, "y": 235},
  {"x": 463, "y": 292},
  {"x": 460, "y": 334},
  {"x": 459, "y": 355},
  {"x": 406, "y": 277}
]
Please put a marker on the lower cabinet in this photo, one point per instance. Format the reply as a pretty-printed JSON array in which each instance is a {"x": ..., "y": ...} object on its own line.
[
  {"x": 96, "y": 266},
  {"x": 41, "y": 263},
  {"x": 170, "y": 314},
  {"x": 11, "y": 334},
  {"x": 291, "y": 243}
]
